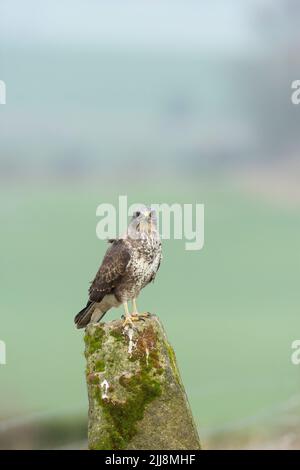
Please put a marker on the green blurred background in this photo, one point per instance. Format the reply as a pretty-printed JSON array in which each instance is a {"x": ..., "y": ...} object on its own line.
[{"x": 167, "y": 102}]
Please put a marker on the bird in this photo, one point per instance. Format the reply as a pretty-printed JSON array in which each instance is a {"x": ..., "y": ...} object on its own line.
[{"x": 129, "y": 264}]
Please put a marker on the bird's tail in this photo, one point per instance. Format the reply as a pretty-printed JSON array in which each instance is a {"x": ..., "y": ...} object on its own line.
[{"x": 84, "y": 316}]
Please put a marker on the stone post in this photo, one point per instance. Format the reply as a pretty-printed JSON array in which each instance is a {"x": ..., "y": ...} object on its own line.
[{"x": 136, "y": 396}]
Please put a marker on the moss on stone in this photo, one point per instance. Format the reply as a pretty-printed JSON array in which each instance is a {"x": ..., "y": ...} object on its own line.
[
  {"x": 99, "y": 365},
  {"x": 93, "y": 379},
  {"x": 93, "y": 341},
  {"x": 134, "y": 387},
  {"x": 117, "y": 333},
  {"x": 123, "y": 416},
  {"x": 124, "y": 380},
  {"x": 173, "y": 363}
]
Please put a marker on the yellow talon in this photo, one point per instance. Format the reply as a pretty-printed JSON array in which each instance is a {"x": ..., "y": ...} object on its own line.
[
  {"x": 128, "y": 321},
  {"x": 138, "y": 315},
  {"x": 134, "y": 316}
]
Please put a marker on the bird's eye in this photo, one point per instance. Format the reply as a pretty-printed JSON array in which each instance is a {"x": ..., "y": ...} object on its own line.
[{"x": 137, "y": 214}]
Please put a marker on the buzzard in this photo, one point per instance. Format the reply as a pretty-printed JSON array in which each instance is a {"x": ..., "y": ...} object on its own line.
[{"x": 130, "y": 263}]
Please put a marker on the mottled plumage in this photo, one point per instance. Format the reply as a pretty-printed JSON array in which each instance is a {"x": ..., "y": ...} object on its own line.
[{"x": 129, "y": 264}]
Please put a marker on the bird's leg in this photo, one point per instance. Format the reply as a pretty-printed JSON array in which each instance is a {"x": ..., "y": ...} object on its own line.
[
  {"x": 136, "y": 314},
  {"x": 135, "y": 310},
  {"x": 128, "y": 318}
]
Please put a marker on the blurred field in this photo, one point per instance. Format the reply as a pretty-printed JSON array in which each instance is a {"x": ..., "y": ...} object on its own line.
[
  {"x": 165, "y": 102},
  {"x": 230, "y": 310}
]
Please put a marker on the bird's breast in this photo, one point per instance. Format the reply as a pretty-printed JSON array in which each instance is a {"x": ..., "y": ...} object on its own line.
[{"x": 143, "y": 264}]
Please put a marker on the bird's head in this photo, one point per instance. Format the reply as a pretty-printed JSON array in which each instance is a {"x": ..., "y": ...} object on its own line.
[{"x": 143, "y": 222}]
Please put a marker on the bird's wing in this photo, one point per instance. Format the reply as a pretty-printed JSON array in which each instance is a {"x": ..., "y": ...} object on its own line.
[
  {"x": 154, "y": 274},
  {"x": 111, "y": 270}
]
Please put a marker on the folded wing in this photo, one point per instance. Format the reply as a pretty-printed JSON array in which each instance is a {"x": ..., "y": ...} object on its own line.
[{"x": 111, "y": 271}]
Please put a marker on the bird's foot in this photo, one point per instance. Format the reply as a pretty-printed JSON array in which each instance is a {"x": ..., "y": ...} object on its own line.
[
  {"x": 134, "y": 317},
  {"x": 129, "y": 319},
  {"x": 141, "y": 315}
]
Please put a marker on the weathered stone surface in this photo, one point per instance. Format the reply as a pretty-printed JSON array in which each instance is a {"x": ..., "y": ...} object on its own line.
[{"x": 136, "y": 396}]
